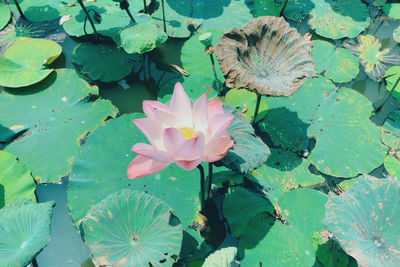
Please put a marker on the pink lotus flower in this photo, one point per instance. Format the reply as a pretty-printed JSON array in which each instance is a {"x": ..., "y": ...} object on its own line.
[{"x": 181, "y": 134}]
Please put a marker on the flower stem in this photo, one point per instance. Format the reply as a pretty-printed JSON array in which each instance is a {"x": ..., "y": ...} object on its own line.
[
  {"x": 125, "y": 6},
  {"x": 210, "y": 173},
  {"x": 257, "y": 108},
  {"x": 201, "y": 169},
  {"x": 163, "y": 16},
  {"x": 19, "y": 9},
  {"x": 144, "y": 6},
  {"x": 283, "y": 8},
  {"x": 215, "y": 74},
  {"x": 89, "y": 18},
  {"x": 389, "y": 94},
  {"x": 34, "y": 263}
]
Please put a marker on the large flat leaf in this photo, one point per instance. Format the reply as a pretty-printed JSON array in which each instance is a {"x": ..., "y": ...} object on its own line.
[
  {"x": 365, "y": 221},
  {"x": 15, "y": 178},
  {"x": 24, "y": 63},
  {"x": 347, "y": 142},
  {"x": 100, "y": 169},
  {"x": 249, "y": 151},
  {"x": 338, "y": 64},
  {"x": 283, "y": 172},
  {"x": 56, "y": 114},
  {"x": 274, "y": 243},
  {"x": 224, "y": 257},
  {"x": 392, "y": 163},
  {"x": 391, "y": 130},
  {"x": 24, "y": 231},
  {"x": 5, "y": 15},
  {"x": 392, "y": 10},
  {"x": 132, "y": 228},
  {"x": 41, "y": 10}
]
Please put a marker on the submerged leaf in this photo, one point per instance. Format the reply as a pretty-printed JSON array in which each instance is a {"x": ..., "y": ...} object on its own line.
[
  {"x": 368, "y": 51},
  {"x": 365, "y": 220},
  {"x": 24, "y": 63},
  {"x": 266, "y": 55},
  {"x": 24, "y": 231},
  {"x": 130, "y": 228}
]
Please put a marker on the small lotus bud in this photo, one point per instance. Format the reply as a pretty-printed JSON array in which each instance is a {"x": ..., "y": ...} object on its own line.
[{"x": 206, "y": 39}]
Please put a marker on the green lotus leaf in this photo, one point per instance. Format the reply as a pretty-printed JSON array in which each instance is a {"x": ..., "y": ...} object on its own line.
[
  {"x": 274, "y": 243},
  {"x": 5, "y": 15},
  {"x": 267, "y": 8},
  {"x": 250, "y": 57},
  {"x": 346, "y": 183},
  {"x": 391, "y": 130},
  {"x": 392, "y": 10},
  {"x": 142, "y": 37},
  {"x": 112, "y": 19},
  {"x": 24, "y": 63},
  {"x": 336, "y": 19},
  {"x": 198, "y": 65},
  {"x": 249, "y": 151},
  {"x": 396, "y": 34},
  {"x": 328, "y": 250},
  {"x": 41, "y": 10},
  {"x": 102, "y": 62},
  {"x": 15, "y": 178},
  {"x": 132, "y": 228},
  {"x": 184, "y": 17},
  {"x": 331, "y": 113},
  {"x": 283, "y": 171},
  {"x": 245, "y": 102},
  {"x": 394, "y": 71},
  {"x": 24, "y": 231},
  {"x": 365, "y": 220},
  {"x": 275, "y": 125},
  {"x": 368, "y": 51},
  {"x": 7, "y": 135},
  {"x": 239, "y": 201},
  {"x": 56, "y": 114},
  {"x": 392, "y": 163},
  {"x": 338, "y": 64},
  {"x": 18, "y": 28},
  {"x": 375, "y": 2},
  {"x": 298, "y": 9},
  {"x": 224, "y": 257},
  {"x": 100, "y": 169}
]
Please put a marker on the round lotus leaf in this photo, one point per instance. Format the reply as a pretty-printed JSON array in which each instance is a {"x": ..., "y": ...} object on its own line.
[
  {"x": 198, "y": 64},
  {"x": 333, "y": 113},
  {"x": 274, "y": 243},
  {"x": 5, "y": 15},
  {"x": 224, "y": 257},
  {"x": 15, "y": 178},
  {"x": 41, "y": 10},
  {"x": 109, "y": 21},
  {"x": 394, "y": 71},
  {"x": 24, "y": 63},
  {"x": 184, "y": 17},
  {"x": 18, "y": 28},
  {"x": 100, "y": 169},
  {"x": 392, "y": 10},
  {"x": 267, "y": 8},
  {"x": 239, "y": 201},
  {"x": 338, "y": 64},
  {"x": 249, "y": 151},
  {"x": 337, "y": 19},
  {"x": 245, "y": 102},
  {"x": 142, "y": 37},
  {"x": 396, "y": 34},
  {"x": 392, "y": 163},
  {"x": 56, "y": 115},
  {"x": 132, "y": 228},
  {"x": 346, "y": 183},
  {"x": 368, "y": 51},
  {"x": 328, "y": 250},
  {"x": 283, "y": 171},
  {"x": 297, "y": 9},
  {"x": 102, "y": 62},
  {"x": 365, "y": 220},
  {"x": 391, "y": 130},
  {"x": 24, "y": 231},
  {"x": 266, "y": 55}
]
